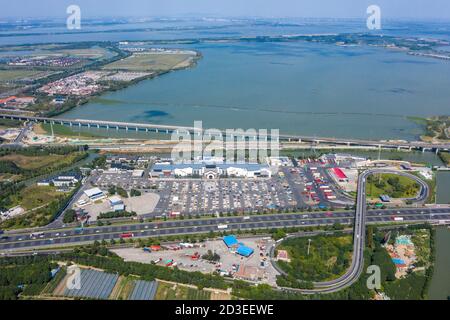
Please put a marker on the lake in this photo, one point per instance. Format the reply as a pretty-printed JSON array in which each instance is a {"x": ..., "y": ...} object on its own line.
[{"x": 299, "y": 88}]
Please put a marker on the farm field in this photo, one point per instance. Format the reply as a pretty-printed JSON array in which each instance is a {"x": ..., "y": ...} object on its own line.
[
  {"x": 152, "y": 62},
  {"x": 171, "y": 291},
  {"x": 19, "y": 74}
]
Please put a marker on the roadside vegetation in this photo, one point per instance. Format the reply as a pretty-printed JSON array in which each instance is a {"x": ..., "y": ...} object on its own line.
[
  {"x": 392, "y": 185},
  {"x": 328, "y": 258}
]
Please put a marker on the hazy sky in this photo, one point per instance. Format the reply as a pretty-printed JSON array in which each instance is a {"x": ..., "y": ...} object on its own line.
[{"x": 417, "y": 9}]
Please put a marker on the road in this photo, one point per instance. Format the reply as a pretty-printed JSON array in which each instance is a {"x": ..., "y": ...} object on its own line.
[{"x": 356, "y": 267}]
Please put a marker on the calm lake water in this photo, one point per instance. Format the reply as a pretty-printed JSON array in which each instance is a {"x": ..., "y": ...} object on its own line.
[
  {"x": 299, "y": 88},
  {"x": 440, "y": 283},
  {"x": 443, "y": 187}
]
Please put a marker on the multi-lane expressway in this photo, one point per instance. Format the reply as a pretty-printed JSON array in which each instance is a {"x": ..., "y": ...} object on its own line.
[{"x": 62, "y": 237}]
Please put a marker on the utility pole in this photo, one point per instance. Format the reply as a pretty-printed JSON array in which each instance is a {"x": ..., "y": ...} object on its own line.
[{"x": 309, "y": 245}]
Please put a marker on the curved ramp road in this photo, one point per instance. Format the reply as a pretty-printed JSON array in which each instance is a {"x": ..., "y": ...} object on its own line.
[{"x": 355, "y": 270}]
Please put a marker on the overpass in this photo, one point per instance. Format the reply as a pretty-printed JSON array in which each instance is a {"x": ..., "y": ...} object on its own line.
[
  {"x": 359, "y": 234},
  {"x": 170, "y": 129}
]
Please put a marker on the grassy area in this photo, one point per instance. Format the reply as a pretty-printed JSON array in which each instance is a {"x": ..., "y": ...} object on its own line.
[
  {"x": 168, "y": 291},
  {"x": 124, "y": 288},
  {"x": 33, "y": 162},
  {"x": 329, "y": 257},
  {"x": 32, "y": 165},
  {"x": 65, "y": 131},
  {"x": 8, "y": 123},
  {"x": 151, "y": 62},
  {"x": 35, "y": 196},
  {"x": 394, "y": 186},
  {"x": 18, "y": 74},
  {"x": 445, "y": 157}
]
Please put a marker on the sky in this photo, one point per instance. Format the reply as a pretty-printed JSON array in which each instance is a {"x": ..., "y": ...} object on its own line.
[{"x": 409, "y": 9}]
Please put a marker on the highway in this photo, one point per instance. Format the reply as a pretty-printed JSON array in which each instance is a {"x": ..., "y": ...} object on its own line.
[{"x": 56, "y": 237}]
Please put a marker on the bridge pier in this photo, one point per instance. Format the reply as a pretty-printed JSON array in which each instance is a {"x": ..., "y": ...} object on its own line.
[{"x": 437, "y": 150}]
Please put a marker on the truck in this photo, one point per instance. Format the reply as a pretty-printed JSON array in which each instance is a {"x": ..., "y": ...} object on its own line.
[
  {"x": 222, "y": 226},
  {"x": 36, "y": 234},
  {"x": 397, "y": 218},
  {"x": 126, "y": 235}
]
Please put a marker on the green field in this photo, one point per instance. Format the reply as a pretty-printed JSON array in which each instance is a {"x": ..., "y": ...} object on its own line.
[
  {"x": 394, "y": 186},
  {"x": 167, "y": 291},
  {"x": 445, "y": 156},
  {"x": 329, "y": 257},
  {"x": 35, "y": 196},
  {"x": 151, "y": 62},
  {"x": 65, "y": 131},
  {"x": 18, "y": 74}
]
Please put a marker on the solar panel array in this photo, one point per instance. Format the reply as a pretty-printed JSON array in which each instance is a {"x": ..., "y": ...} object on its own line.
[
  {"x": 144, "y": 290},
  {"x": 94, "y": 285}
]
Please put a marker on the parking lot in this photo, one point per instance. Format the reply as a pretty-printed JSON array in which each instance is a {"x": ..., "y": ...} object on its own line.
[
  {"x": 257, "y": 265},
  {"x": 200, "y": 196}
]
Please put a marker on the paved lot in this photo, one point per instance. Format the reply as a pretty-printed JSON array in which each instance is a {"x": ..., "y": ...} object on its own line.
[
  {"x": 198, "y": 196},
  {"x": 144, "y": 204},
  {"x": 183, "y": 259}
]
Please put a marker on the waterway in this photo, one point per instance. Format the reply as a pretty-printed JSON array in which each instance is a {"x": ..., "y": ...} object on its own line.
[
  {"x": 299, "y": 88},
  {"x": 440, "y": 283},
  {"x": 443, "y": 187}
]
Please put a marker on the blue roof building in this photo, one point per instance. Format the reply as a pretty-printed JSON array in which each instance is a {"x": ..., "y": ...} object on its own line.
[
  {"x": 244, "y": 251},
  {"x": 230, "y": 241}
]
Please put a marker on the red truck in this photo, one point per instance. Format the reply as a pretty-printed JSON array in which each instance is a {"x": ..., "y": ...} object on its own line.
[{"x": 126, "y": 235}]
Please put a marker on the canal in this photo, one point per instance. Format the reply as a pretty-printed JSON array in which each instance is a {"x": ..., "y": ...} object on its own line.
[{"x": 440, "y": 283}]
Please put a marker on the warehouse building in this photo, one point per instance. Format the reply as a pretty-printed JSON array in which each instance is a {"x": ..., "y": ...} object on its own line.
[{"x": 95, "y": 194}]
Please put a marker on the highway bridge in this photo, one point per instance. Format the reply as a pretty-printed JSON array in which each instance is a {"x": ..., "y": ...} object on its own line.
[{"x": 169, "y": 129}]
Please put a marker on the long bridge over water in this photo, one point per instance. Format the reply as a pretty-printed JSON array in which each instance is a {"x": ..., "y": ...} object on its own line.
[{"x": 170, "y": 129}]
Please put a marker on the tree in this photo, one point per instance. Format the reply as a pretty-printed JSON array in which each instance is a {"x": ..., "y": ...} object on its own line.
[{"x": 70, "y": 216}]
